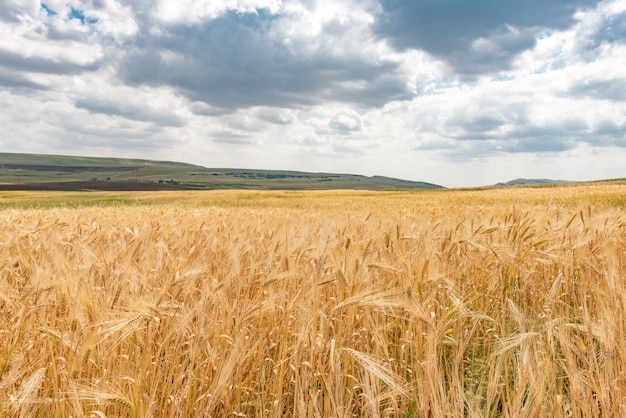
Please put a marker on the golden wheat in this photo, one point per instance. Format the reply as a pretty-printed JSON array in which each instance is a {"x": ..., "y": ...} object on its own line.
[{"x": 454, "y": 303}]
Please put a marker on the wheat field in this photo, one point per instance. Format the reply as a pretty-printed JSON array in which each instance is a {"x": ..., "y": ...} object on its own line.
[{"x": 484, "y": 303}]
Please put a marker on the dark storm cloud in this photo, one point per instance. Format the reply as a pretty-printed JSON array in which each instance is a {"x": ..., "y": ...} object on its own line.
[
  {"x": 473, "y": 37},
  {"x": 234, "y": 62}
]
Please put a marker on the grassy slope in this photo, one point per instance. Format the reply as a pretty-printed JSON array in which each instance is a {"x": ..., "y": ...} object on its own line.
[
  {"x": 107, "y": 170},
  {"x": 65, "y": 160},
  {"x": 530, "y": 182}
]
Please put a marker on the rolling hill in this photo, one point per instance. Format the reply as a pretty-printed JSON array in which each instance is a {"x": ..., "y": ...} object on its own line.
[
  {"x": 530, "y": 182},
  {"x": 57, "y": 172}
]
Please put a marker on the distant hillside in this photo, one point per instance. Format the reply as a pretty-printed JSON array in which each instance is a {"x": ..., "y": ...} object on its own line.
[
  {"x": 56, "y": 172},
  {"x": 530, "y": 182},
  {"x": 610, "y": 181}
]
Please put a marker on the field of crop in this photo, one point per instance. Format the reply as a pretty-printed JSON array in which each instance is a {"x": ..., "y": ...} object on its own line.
[{"x": 504, "y": 302}]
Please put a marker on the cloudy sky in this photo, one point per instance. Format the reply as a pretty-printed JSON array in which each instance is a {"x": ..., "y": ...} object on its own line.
[{"x": 453, "y": 92}]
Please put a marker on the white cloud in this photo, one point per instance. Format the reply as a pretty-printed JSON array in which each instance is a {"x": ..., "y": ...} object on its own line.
[
  {"x": 193, "y": 11},
  {"x": 25, "y": 41},
  {"x": 156, "y": 105},
  {"x": 276, "y": 115},
  {"x": 311, "y": 84},
  {"x": 306, "y": 136},
  {"x": 115, "y": 20},
  {"x": 66, "y": 129},
  {"x": 346, "y": 120}
]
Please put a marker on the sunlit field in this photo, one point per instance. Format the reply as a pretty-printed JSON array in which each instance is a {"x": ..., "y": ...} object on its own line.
[{"x": 504, "y": 302}]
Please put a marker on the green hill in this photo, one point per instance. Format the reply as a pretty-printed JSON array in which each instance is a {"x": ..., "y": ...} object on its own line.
[
  {"x": 57, "y": 172},
  {"x": 531, "y": 182}
]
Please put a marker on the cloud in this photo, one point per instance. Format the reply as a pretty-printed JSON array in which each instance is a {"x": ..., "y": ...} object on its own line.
[
  {"x": 474, "y": 37},
  {"x": 550, "y": 111},
  {"x": 48, "y": 65},
  {"x": 276, "y": 116},
  {"x": 18, "y": 81},
  {"x": 242, "y": 60},
  {"x": 245, "y": 126},
  {"x": 23, "y": 51},
  {"x": 428, "y": 90},
  {"x": 231, "y": 137},
  {"x": 133, "y": 109},
  {"x": 40, "y": 43},
  {"x": 204, "y": 109},
  {"x": 194, "y": 11},
  {"x": 346, "y": 120},
  {"x": 331, "y": 122},
  {"x": 331, "y": 131},
  {"x": 14, "y": 10},
  {"x": 609, "y": 89},
  {"x": 601, "y": 28},
  {"x": 305, "y": 136},
  {"x": 66, "y": 129}
]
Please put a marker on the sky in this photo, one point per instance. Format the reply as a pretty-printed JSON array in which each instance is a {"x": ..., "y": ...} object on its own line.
[{"x": 453, "y": 92}]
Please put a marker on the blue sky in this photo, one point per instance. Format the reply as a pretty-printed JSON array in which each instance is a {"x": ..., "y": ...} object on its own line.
[{"x": 451, "y": 92}]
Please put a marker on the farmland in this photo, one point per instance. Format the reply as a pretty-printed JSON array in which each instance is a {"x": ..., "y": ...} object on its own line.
[
  {"x": 501, "y": 302},
  {"x": 70, "y": 173}
]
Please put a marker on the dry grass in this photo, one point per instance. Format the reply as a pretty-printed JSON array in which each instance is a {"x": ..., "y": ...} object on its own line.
[{"x": 479, "y": 303}]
